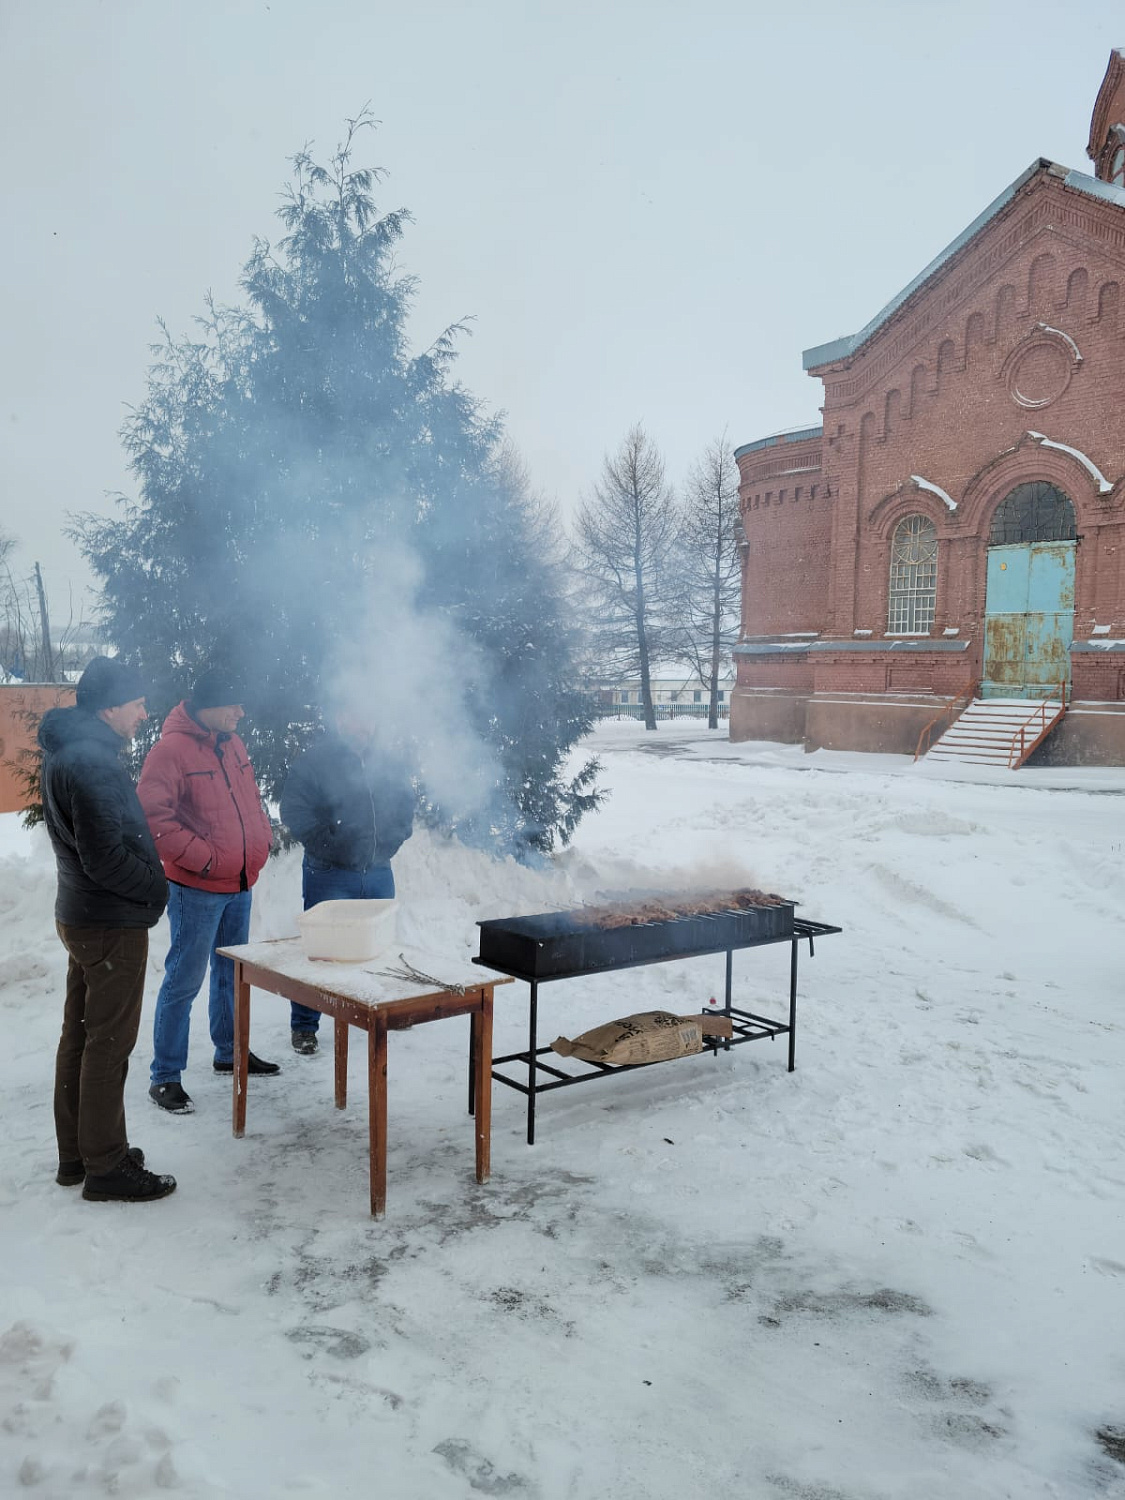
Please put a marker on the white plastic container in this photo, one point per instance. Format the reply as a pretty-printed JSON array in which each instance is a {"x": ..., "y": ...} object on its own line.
[{"x": 348, "y": 932}]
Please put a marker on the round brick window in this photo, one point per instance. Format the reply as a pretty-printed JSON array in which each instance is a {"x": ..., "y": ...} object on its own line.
[{"x": 1039, "y": 372}]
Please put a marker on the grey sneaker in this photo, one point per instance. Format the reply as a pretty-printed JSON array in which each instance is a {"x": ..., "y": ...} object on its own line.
[
  {"x": 171, "y": 1096},
  {"x": 305, "y": 1043}
]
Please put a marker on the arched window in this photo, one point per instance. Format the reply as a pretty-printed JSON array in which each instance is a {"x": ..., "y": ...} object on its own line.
[
  {"x": 913, "y": 577},
  {"x": 1117, "y": 167},
  {"x": 1035, "y": 512}
]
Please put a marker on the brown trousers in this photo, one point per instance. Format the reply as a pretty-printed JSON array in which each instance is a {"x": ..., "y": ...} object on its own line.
[{"x": 104, "y": 988}]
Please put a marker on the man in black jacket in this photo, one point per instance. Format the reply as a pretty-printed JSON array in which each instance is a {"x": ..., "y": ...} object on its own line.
[
  {"x": 351, "y": 804},
  {"x": 111, "y": 891}
]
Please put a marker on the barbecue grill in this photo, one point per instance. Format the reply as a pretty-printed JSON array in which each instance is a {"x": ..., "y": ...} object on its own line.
[
  {"x": 561, "y": 945},
  {"x": 569, "y": 944}
]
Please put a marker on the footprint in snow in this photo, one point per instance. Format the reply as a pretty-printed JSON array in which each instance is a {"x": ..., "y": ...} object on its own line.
[
  {"x": 480, "y": 1472},
  {"x": 907, "y": 891},
  {"x": 962, "y": 1421},
  {"x": 981, "y": 1152},
  {"x": 340, "y": 1343}
]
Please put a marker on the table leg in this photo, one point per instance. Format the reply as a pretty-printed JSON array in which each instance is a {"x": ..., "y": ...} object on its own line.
[
  {"x": 472, "y": 1060},
  {"x": 340, "y": 1037},
  {"x": 377, "y": 1103},
  {"x": 241, "y": 1048},
  {"x": 482, "y": 1078}
]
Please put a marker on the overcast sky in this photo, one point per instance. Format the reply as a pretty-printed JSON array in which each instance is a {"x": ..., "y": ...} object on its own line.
[{"x": 649, "y": 209}]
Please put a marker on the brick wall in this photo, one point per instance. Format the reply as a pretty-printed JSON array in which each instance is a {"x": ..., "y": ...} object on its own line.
[
  {"x": 21, "y": 708},
  {"x": 1021, "y": 332},
  {"x": 787, "y": 520},
  {"x": 948, "y": 399}
]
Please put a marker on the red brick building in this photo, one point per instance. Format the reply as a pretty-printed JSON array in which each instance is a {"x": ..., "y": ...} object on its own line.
[
  {"x": 983, "y": 408},
  {"x": 21, "y": 708}
]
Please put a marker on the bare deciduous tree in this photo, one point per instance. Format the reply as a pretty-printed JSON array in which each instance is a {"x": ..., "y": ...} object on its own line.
[
  {"x": 30, "y": 650},
  {"x": 625, "y": 542},
  {"x": 709, "y": 571}
]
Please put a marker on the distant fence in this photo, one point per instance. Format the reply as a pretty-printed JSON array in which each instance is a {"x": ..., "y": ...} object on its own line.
[{"x": 661, "y": 710}]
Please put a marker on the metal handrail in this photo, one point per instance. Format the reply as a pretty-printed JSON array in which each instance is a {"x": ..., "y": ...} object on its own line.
[
  {"x": 968, "y": 694},
  {"x": 1016, "y": 757}
]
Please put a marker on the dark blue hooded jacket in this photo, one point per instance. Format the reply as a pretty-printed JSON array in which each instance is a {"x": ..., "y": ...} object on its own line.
[{"x": 350, "y": 811}]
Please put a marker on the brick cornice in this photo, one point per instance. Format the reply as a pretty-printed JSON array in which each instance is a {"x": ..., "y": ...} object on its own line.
[{"x": 1047, "y": 207}]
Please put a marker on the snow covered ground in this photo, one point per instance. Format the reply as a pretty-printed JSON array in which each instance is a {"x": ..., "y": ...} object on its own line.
[{"x": 897, "y": 1272}]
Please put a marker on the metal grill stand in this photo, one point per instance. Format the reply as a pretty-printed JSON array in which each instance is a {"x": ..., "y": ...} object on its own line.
[{"x": 747, "y": 1025}]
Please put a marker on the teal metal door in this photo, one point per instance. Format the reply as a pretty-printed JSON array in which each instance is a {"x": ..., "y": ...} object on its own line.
[{"x": 1029, "y": 619}]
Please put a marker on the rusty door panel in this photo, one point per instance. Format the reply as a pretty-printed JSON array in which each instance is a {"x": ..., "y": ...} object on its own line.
[
  {"x": 1029, "y": 619},
  {"x": 1048, "y": 649},
  {"x": 1050, "y": 581},
  {"x": 1050, "y": 615},
  {"x": 1005, "y": 649}
]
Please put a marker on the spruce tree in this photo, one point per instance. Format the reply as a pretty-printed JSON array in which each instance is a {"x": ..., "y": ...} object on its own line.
[{"x": 314, "y": 501}]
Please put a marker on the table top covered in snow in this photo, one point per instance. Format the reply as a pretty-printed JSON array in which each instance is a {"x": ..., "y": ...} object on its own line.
[{"x": 372, "y": 982}]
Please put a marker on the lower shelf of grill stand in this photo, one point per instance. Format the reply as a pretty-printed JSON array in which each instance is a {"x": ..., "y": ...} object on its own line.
[{"x": 747, "y": 1026}]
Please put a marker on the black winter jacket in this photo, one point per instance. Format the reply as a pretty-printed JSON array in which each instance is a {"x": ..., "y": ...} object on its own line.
[
  {"x": 349, "y": 811},
  {"x": 109, "y": 871}
]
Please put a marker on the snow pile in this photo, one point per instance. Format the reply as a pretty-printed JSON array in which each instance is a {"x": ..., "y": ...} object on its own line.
[{"x": 897, "y": 1271}]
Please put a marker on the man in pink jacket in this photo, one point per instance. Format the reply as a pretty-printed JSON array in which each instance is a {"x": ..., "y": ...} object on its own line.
[{"x": 203, "y": 806}]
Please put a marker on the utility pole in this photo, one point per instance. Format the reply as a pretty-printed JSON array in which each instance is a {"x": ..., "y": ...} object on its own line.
[{"x": 44, "y": 629}]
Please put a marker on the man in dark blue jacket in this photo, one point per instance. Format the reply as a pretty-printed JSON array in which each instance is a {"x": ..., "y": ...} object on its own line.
[
  {"x": 351, "y": 804},
  {"x": 111, "y": 891}
]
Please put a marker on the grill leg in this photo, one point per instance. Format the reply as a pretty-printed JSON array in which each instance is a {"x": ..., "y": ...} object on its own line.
[
  {"x": 727, "y": 1001},
  {"x": 532, "y": 1044},
  {"x": 793, "y": 1005}
]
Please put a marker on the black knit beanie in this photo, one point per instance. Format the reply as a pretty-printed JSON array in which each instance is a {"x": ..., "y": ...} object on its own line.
[
  {"x": 107, "y": 683},
  {"x": 216, "y": 689}
]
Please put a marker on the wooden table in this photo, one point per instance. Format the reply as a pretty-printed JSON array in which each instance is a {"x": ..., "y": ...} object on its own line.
[{"x": 364, "y": 995}]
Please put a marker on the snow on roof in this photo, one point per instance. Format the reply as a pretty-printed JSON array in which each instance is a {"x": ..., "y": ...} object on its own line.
[
  {"x": 786, "y": 435},
  {"x": 1094, "y": 187}
]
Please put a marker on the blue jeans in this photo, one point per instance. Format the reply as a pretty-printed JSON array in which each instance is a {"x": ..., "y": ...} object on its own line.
[
  {"x": 201, "y": 921},
  {"x": 326, "y": 883}
]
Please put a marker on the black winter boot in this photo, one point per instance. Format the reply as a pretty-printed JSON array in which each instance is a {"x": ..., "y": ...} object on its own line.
[
  {"x": 257, "y": 1067},
  {"x": 73, "y": 1173},
  {"x": 129, "y": 1182}
]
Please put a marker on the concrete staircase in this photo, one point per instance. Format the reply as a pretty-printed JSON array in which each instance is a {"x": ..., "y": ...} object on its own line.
[{"x": 988, "y": 733}]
